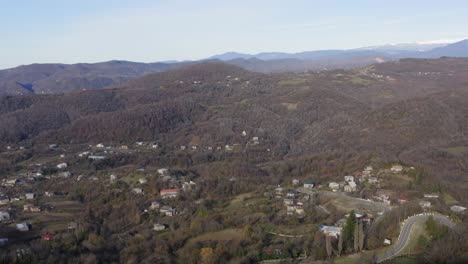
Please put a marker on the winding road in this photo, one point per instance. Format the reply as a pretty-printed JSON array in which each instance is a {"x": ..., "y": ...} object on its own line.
[{"x": 405, "y": 232}]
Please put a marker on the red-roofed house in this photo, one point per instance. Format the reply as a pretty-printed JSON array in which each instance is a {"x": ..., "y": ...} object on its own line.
[
  {"x": 169, "y": 193},
  {"x": 48, "y": 237}
]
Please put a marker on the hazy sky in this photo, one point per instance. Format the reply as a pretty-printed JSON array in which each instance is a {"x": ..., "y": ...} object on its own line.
[{"x": 142, "y": 30}]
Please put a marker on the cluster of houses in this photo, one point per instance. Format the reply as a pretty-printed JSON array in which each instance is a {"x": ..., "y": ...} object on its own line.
[{"x": 290, "y": 201}]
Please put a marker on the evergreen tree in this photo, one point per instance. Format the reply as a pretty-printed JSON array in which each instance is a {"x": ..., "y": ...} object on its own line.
[{"x": 348, "y": 231}]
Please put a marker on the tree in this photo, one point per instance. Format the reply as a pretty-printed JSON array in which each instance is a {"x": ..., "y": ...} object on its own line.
[
  {"x": 348, "y": 231},
  {"x": 340, "y": 244},
  {"x": 361, "y": 236},
  {"x": 207, "y": 255},
  {"x": 328, "y": 246},
  {"x": 356, "y": 238}
]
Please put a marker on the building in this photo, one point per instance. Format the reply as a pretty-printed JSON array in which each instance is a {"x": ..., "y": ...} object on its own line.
[
  {"x": 291, "y": 194},
  {"x": 349, "y": 178},
  {"x": 334, "y": 186},
  {"x": 155, "y": 205},
  {"x": 309, "y": 184},
  {"x": 159, "y": 227},
  {"x": 30, "y": 196},
  {"x": 62, "y": 166},
  {"x": 431, "y": 195},
  {"x": 288, "y": 202},
  {"x": 187, "y": 186},
  {"x": 23, "y": 227},
  {"x": 4, "y": 215},
  {"x": 350, "y": 187},
  {"x": 100, "y": 145},
  {"x": 4, "y": 200},
  {"x": 396, "y": 168},
  {"x": 169, "y": 193},
  {"x": 163, "y": 171},
  {"x": 167, "y": 210},
  {"x": 373, "y": 180},
  {"x": 48, "y": 237},
  {"x": 142, "y": 181},
  {"x": 96, "y": 157},
  {"x": 3, "y": 241},
  {"x": 403, "y": 200},
  {"x": 137, "y": 190},
  {"x": 457, "y": 209},
  {"x": 295, "y": 182},
  {"x": 387, "y": 242},
  {"x": 34, "y": 209},
  {"x": 332, "y": 231},
  {"x": 425, "y": 204}
]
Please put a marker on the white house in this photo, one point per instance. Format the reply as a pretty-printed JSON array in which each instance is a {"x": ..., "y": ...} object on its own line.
[
  {"x": 349, "y": 178},
  {"x": 163, "y": 171},
  {"x": 155, "y": 205},
  {"x": 431, "y": 195},
  {"x": 159, "y": 227},
  {"x": 457, "y": 208},
  {"x": 309, "y": 184},
  {"x": 387, "y": 242},
  {"x": 333, "y": 231},
  {"x": 334, "y": 186},
  {"x": 167, "y": 210},
  {"x": 425, "y": 204},
  {"x": 295, "y": 182},
  {"x": 137, "y": 190},
  {"x": 397, "y": 168},
  {"x": 373, "y": 180},
  {"x": 4, "y": 200},
  {"x": 62, "y": 166},
  {"x": 100, "y": 145},
  {"x": 350, "y": 187},
  {"x": 142, "y": 181},
  {"x": 30, "y": 196},
  {"x": 23, "y": 227}
]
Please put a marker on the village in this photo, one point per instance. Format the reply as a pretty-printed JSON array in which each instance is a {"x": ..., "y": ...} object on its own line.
[{"x": 32, "y": 205}]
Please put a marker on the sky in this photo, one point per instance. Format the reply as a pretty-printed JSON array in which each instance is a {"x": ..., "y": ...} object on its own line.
[{"x": 58, "y": 31}]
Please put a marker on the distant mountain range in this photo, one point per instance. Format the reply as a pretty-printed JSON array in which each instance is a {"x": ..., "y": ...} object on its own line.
[{"x": 60, "y": 78}]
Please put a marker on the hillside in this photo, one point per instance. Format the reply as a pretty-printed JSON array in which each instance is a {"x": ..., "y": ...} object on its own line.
[
  {"x": 394, "y": 110},
  {"x": 60, "y": 78}
]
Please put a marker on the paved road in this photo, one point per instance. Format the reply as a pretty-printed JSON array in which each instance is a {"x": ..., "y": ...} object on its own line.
[{"x": 406, "y": 230}]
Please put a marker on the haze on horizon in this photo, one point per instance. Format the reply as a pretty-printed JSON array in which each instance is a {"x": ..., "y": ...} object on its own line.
[{"x": 148, "y": 31}]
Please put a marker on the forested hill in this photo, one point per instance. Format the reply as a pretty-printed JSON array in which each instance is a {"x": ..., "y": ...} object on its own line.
[{"x": 412, "y": 110}]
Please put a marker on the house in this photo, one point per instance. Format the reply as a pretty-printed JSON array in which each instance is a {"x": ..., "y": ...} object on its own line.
[
  {"x": 142, "y": 181},
  {"x": 373, "y": 180},
  {"x": 295, "y": 182},
  {"x": 4, "y": 200},
  {"x": 100, "y": 145},
  {"x": 163, "y": 171},
  {"x": 332, "y": 231},
  {"x": 53, "y": 146},
  {"x": 64, "y": 174},
  {"x": 368, "y": 168},
  {"x": 290, "y": 209},
  {"x": 228, "y": 148},
  {"x": 182, "y": 147},
  {"x": 403, "y": 200},
  {"x": 187, "y": 186},
  {"x": 48, "y": 237},
  {"x": 72, "y": 225},
  {"x": 62, "y": 166},
  {"x": 255, "y": 140},
  {"x": 30, "y": 196},
  {"x": 425, "y": 204},
  {"x": 387, "y": 242},
  {"x": 26, "y": 207},
  {"x": 3, "y": 241},
  {"x": 4, "y": 215},
  {"x": 96, "y": 157},
  {"x": 113, "y": 177},
  {"x": 396, "y": 168},
  {"x": 49, "y": 194},
  {"x": 431, "y": 195},
  {"x": 23, "y": 227},
  {"x": 279, "y": 190},
  {"x": 244, "y": 133},
  {"x": 169, "y": 193},
  {"x": 159, "y": 227},
  {"x": 309, "y": 184},
  {"x": 288, "y": 202},
  {"x": 457, "y": 209},
  {"x": 137, "y": 190},
  {"x": 155, "y": 205},
  {"x": 350, "y": 187},
  {"x": 334, "y": 186},
  {"x": 34, "y": 209},
  {"x": 124, "y": 147},
  {"x": 299, "y": 209},
  {"x": 167, "y": 210},
  {"x": 82, "y": 154},
  {"x": 291, "y": 194},
  {"x": 349, "y": 178}
]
